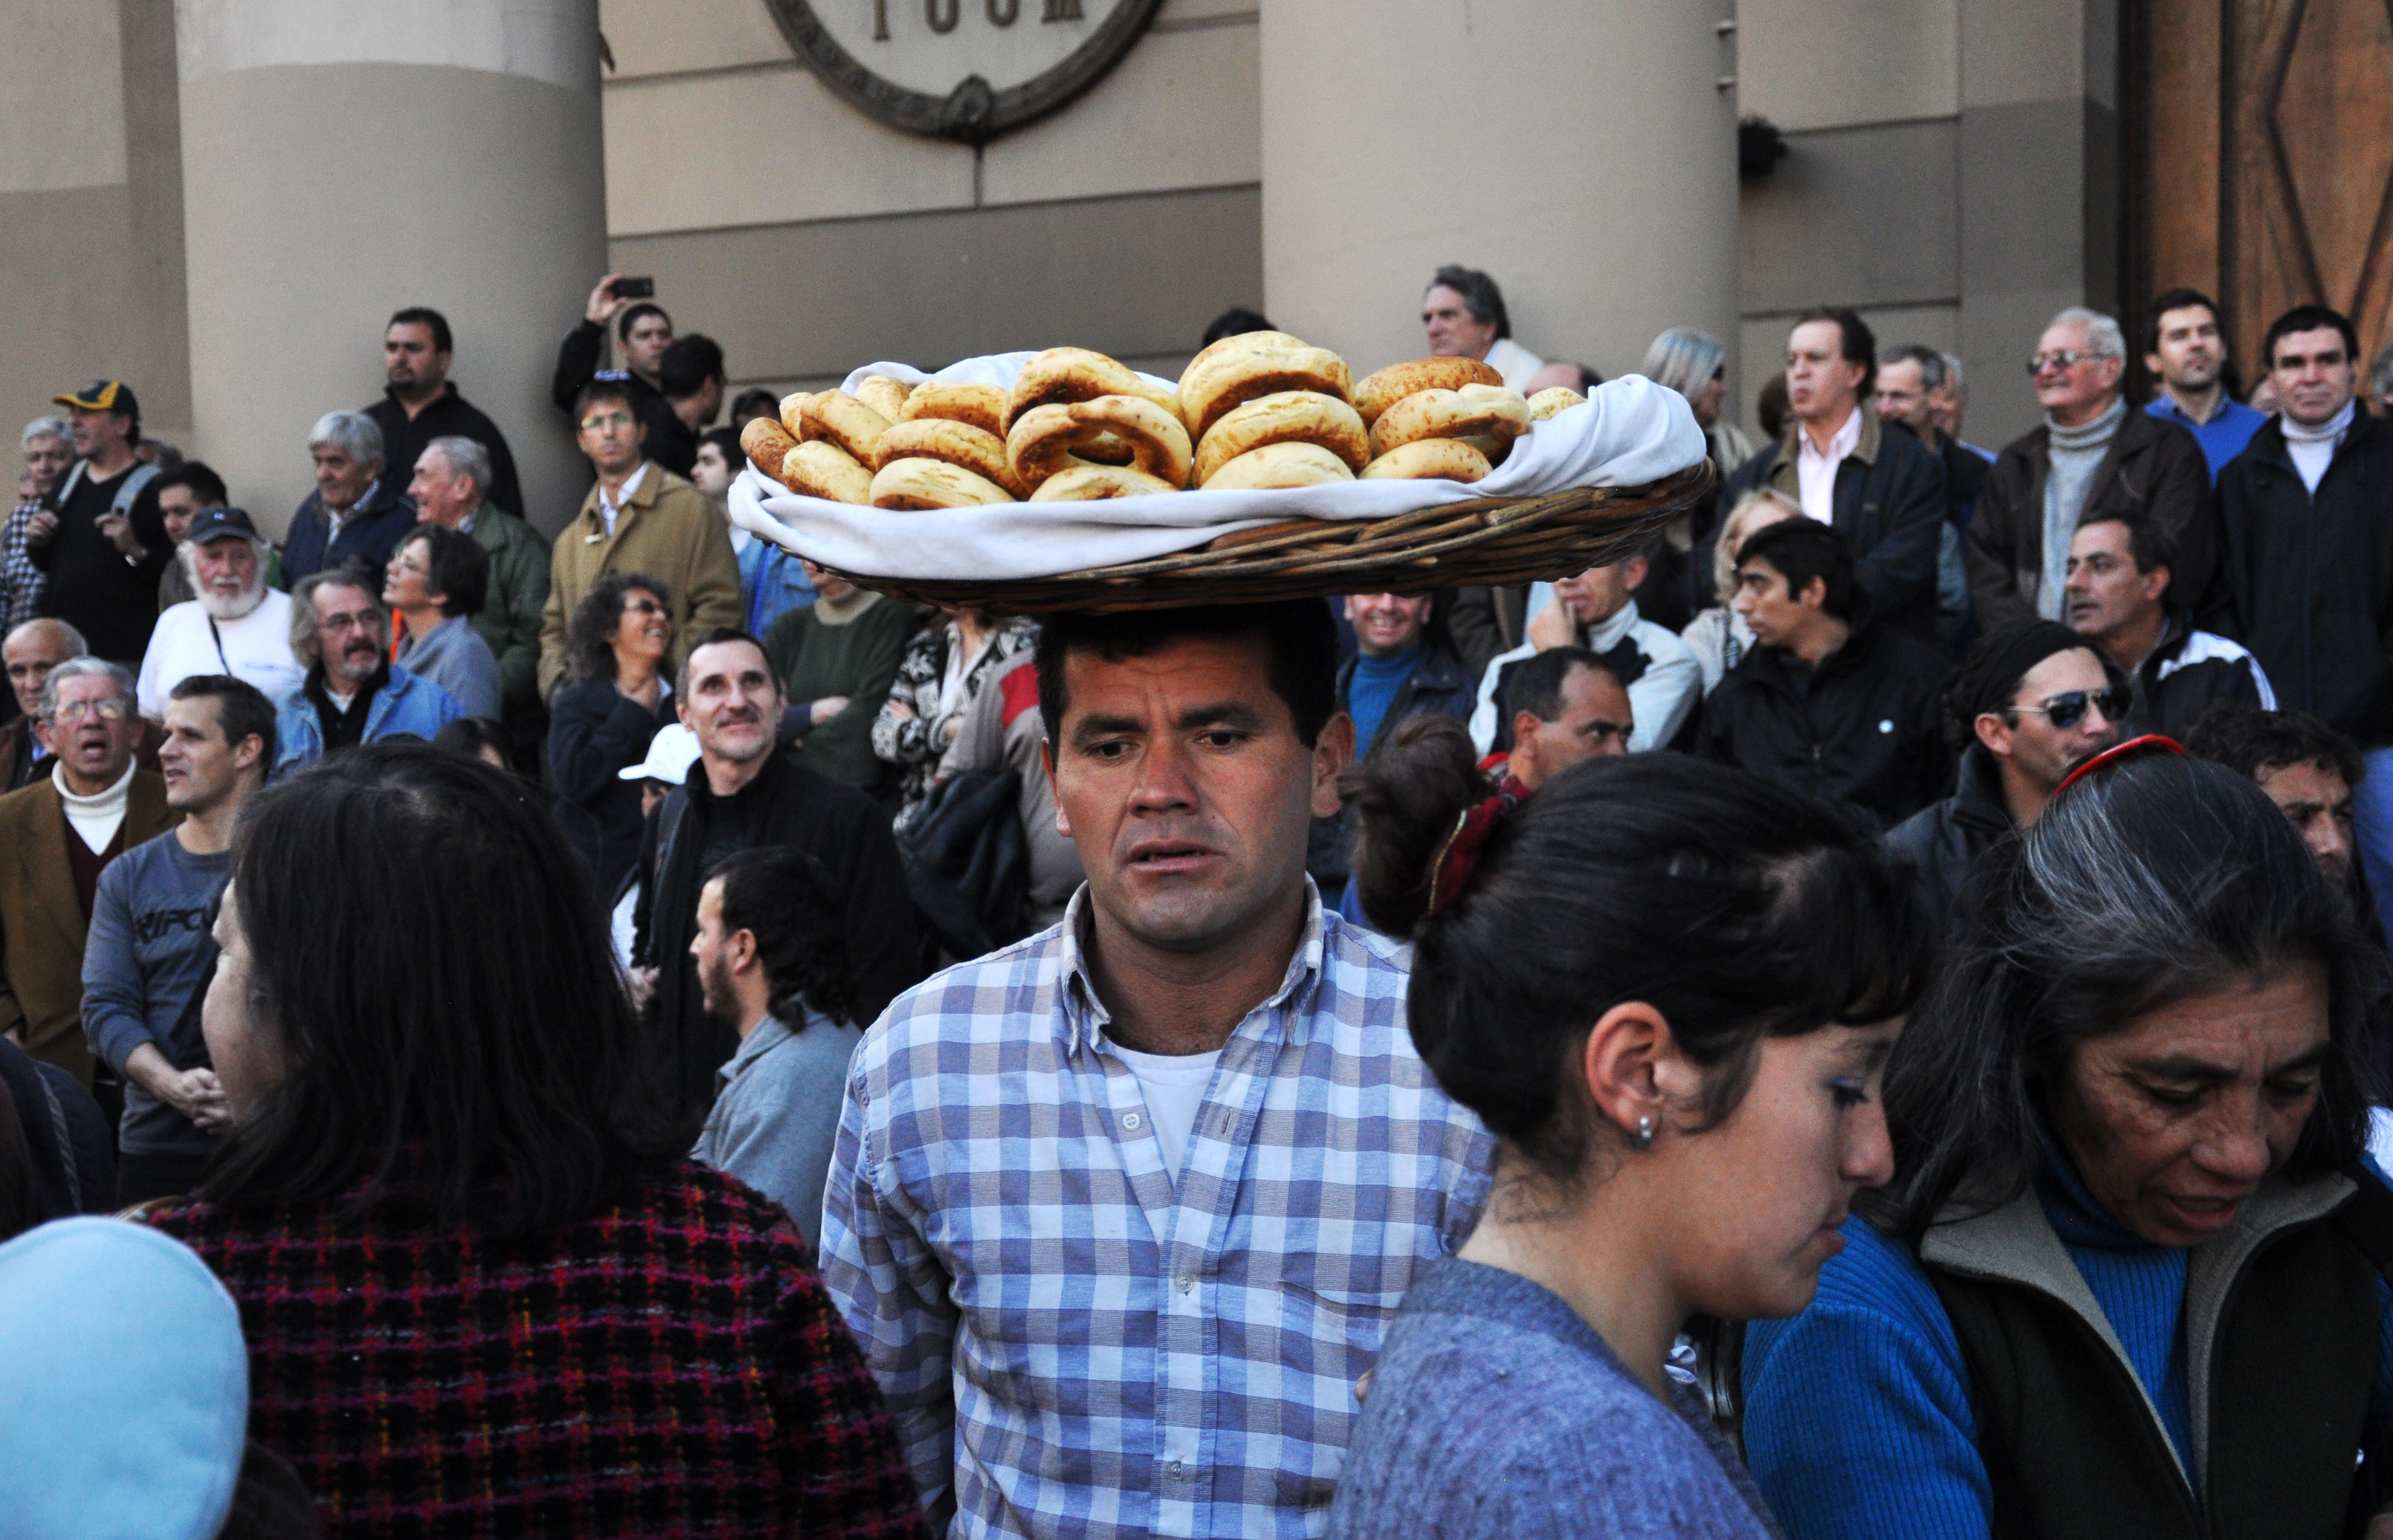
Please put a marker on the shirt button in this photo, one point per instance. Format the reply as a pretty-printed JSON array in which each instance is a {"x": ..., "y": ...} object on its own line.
[
  {"x": 1187, "y": 1281},
  {"x": 1173, "y": 1470},
  {"x": 1132, "y": 1121}
]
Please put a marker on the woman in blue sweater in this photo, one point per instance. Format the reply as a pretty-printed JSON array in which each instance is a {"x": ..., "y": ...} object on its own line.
[
  {"x": 1668, "y": 988},
  {"x": 2123, "y": 1286}
]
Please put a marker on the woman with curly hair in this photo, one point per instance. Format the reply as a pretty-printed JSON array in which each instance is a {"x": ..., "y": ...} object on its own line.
[{"x": 601, "y": 724}]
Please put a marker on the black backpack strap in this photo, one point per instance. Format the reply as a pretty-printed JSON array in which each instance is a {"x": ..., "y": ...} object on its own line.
[{"x": 2367, "y": 1221}]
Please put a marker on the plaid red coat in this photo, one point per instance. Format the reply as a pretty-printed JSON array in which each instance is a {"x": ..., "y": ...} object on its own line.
[{"x": 668, "y": 1366}]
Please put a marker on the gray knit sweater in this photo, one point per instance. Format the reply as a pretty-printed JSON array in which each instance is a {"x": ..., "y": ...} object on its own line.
[{"x": 1496, "y": 1411}]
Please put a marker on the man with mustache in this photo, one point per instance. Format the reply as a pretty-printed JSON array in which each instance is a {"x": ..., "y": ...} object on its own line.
[
  {"x": 353, "y": 693},
  {"x": 61, "y": 832},
  {"x": 235, "y": 624},
  {"x": 1120, "y": 1214},
  {"x": 740, "y": 795}
]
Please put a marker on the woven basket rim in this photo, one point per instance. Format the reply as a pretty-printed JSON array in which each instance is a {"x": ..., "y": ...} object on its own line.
[{"x": 1445, "y": 546}]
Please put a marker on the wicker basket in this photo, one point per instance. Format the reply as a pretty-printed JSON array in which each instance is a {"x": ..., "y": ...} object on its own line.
[{"x": 1491, "y": 541}]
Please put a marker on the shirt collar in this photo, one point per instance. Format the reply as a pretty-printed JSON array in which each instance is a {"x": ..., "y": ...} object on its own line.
[
  {"x": 1604, "y": 637},
  {"x": 1843, "y": 443},
  {"x": 631, "y": 491},
  {"x": 1085, "y": 1017},
  {"x": 770, "y": 1033}
]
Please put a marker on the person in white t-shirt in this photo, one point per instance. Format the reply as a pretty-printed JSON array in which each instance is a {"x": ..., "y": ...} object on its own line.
[
  {"x": 236, "y": 625},
  {"x": 1464, "y": 313}
]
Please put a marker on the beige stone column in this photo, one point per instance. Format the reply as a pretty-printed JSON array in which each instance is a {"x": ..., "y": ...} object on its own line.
[
  {"x": 343, "y": 160},
  {"x": 1581, "y": 151}
]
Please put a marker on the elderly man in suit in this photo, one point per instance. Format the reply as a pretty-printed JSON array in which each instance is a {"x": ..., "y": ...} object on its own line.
[{"x": 57, "y": 835}]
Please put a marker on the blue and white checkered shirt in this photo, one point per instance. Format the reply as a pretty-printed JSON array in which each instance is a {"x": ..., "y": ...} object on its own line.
[{"x": 1072, "y": 1344}]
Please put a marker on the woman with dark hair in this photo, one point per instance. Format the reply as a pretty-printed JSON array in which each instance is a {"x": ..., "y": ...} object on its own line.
[
  {"x": 2123, "y": 1286},
  {"x": 603, "y": 723},
  {"x": 481, "y": 1292},
  {"x": 1668, "y": 987}
]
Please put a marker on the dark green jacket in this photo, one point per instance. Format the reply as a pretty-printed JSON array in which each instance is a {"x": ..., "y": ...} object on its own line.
[{"x": 510, "y": 618}]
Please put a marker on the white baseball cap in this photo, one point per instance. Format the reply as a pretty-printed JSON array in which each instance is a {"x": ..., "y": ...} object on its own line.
[{"x": 670, "y": 754}]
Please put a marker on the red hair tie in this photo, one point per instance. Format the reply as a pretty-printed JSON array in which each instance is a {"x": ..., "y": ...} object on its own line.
[{"x": 1457, "y": 854}]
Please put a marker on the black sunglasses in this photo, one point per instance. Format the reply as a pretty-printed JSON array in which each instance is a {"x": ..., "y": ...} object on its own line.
[{"x": 2068, "y": 709}]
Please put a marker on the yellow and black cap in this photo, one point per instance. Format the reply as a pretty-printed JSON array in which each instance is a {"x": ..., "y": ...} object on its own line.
[{"x": 101, "y": 396}]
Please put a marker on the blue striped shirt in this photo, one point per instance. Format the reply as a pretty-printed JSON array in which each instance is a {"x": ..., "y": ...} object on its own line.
[{"x": 1075, "y": 1343}]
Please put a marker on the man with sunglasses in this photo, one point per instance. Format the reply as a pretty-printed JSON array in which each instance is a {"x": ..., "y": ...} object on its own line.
[
  {"x": 2089, "y": 455},
  {"x": 2307, "y": 565},
  {"x": 640, "y": 518},
  {"x": 2032, "y": 701}
]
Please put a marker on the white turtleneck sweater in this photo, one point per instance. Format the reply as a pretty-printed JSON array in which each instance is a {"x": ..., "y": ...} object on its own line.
[
  {"x": 2313, "y": 448},
  {"x": 96, "y": 818}
]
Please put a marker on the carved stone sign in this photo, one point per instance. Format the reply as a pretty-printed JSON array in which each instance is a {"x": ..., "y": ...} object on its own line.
[{"x": 968, "y": 69}]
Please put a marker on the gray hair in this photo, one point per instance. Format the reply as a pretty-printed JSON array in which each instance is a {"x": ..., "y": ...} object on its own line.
[
  {"x": 1931, "y": 362},
  {"x": 71, "y": 642},
  {"x": 2380, "y": 373},
  {"x": 2103, "y": 338},
  {"x": 1684, "y": 359},
  {"x": 353, "y": 433},
  {"x": 1953, "y": 373},
  {"x": 305, "y": 644},
  {"x": 45, "y": 427},
  {"x": 84, "y": 667},
  {"x": 466, "y": 458}
]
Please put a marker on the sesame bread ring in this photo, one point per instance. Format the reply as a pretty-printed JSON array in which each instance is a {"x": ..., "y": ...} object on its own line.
[
  {"x": 1063, "y": 375},
  {"x": 1429, "y": 459},
  {"x": 1045, "y": 437},
  {"x": 1473, "y": 410},
  {"x": 976, "y": 450},
  {"x": 1095, "y": 483},
  {"x": 1277, "y": 465},
  {"x": 1552, "y": 401},
  {"x": 823, "y": 469},
  {"x": 916, "y": 482},
  {"x": 766, "y": 443},
  {"x": 1397, "y": 381},
  {"x": 1283, "y": 417},
  {"x": 793, "y": 414},
  {"x": 1214, "y": 384},
  {"x": 883, "y": 395},
  {"x": 845, "y": 421},
  {"x": 983, "y": 406}
]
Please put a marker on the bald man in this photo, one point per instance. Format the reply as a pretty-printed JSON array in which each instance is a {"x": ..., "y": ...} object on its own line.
[{"x": 31, "y": 652}]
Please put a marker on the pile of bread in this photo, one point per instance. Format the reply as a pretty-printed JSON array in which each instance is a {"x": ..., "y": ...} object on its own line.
[{"x": 1262, "y": 410}]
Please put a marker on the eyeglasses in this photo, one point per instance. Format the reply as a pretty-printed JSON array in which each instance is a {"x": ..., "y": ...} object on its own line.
[
  {"x": 644, "y": 607},
  {"x": 2068, "y": 709},
  {"x": 2064, "y": 360},
  {"x": 599, "y": 421},
  {"x": 75, "y": 710}
]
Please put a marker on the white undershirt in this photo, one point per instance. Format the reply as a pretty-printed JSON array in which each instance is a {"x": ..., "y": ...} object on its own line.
[
  {"x": 1174, "y": 1086},
  {"x": 1815, "y": 473},
  {"x": 2312, "y": 448},
  {"x": 611, "y": 508},
  {"x": 96, "y": 819}
]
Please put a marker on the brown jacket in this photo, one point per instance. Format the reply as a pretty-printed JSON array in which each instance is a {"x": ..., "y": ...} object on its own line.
[
  {"x": 2152, "y": 467},
  {"x": 41, "y": 923},
  {"x": 670, "y": 532}
]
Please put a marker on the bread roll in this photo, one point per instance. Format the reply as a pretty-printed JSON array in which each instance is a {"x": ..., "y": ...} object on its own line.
[
  {"x": 1553, "y": 401},
  {"x": 1236, "y": 369},
  {"x": 1280, "y": 466},
  {"x": 976, "y": 450},
  {"x": 823, "y": 469},
  {"x": 1095, "y": 483},
  {"x": 983, "y": 406},
  {"x": 1428, "y": 460},
  {"x": 915, "y": 482},
  {"x": 793, "y": 414},
  {"x": 883, "y": 395},
  {"x": 1063, "y": 375},
  {"x": 1473, "y": 410},
  {"x": 1044, "y": 438},
  {"x": 1397, "y": 381},
  {"x": 845, "y": 421},
  {"x": 766, "y": 443},
  {"x": 1283, "y": 417}
]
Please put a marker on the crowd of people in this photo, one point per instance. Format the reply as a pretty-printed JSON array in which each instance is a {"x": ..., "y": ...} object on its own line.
[{"x": 1857, "y": 1016}]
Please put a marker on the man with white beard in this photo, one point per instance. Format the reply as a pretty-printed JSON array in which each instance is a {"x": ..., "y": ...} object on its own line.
[{"x": 236, "y": 625}]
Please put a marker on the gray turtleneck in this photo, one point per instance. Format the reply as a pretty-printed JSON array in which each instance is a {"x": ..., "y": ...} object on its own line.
[{"x": 2075, "y": 454}]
